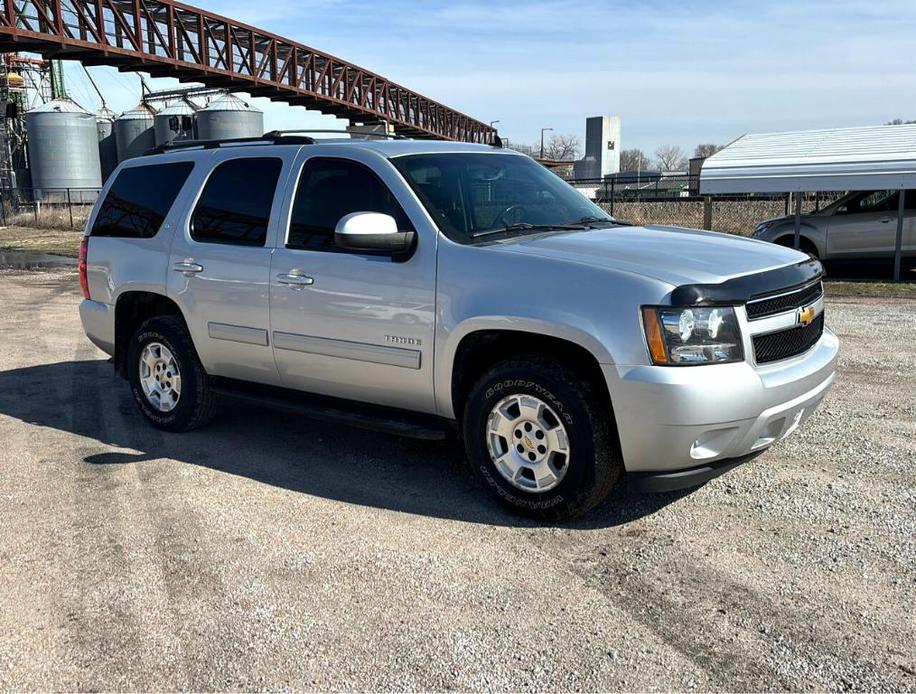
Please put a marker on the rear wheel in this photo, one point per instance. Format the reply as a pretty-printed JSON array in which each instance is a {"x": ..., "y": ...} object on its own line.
[
  {"x": 167, "y": 380},
  {"x": 540, "y": 436}
]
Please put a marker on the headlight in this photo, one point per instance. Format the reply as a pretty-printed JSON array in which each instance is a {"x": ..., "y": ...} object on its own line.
[
  {"x": 692, "y": 336},
  {"x": 762, "y": 229}
]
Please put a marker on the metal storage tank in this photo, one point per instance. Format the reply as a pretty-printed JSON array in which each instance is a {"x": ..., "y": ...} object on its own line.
[
  {"x": 229, "y": 117},
  {"x": 63, "y": 152},
  {"x": 134, "y": 131},
  {"x": 108, "y": 148},
  {"x": 175, "y": 123}
]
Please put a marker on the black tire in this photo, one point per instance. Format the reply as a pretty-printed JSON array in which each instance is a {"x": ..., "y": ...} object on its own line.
[
  {"x": 805, "y": 245},
  {"x": 197, "y": 404},
  {"x": 595, "y": 464}
]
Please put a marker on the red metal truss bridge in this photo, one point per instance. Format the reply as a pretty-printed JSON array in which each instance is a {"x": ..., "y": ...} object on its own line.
[{"x": 170, "y": 39}]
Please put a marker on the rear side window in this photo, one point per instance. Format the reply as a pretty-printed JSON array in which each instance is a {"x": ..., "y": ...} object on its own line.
[
  {"x": 140, "y": 199},
  {"x": 235, "y": 205},
  {"x": 330, "y": 189}
]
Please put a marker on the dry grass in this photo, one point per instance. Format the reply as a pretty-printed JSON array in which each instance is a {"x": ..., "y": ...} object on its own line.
[
  {"x": 875, "y": 288},
  {"x": 35, "y": 240},
  {"x": 51, "y": 217}
]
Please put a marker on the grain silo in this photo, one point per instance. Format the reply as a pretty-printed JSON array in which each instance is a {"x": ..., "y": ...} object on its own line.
[
  {"x": 108, "y": 148},
  {"x": 229, "y": 117},
  {"x": 175, "y": 123},
  {"x": 134, "y": 131},
  {"x": 63, "y": 152}
]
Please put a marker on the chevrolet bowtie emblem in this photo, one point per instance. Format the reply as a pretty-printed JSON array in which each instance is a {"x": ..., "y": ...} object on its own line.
[{"x": 806, "y": 316}]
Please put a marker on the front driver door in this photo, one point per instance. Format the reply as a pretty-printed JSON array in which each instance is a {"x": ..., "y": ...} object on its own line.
[
  {"x": 866, "y": 227},
  {"x": 353, "y": 325}
]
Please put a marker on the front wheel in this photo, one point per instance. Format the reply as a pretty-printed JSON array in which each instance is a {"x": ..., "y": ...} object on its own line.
[
  {"x": 540, "y": 436},
  {"x": 168, "y": 382}
]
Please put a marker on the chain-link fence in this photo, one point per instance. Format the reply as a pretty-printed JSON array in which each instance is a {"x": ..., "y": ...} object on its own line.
[
  {"x": 47, "y": 208},
  {"x": 675, "y": 200},
  {"x": 664, "y": 200}
]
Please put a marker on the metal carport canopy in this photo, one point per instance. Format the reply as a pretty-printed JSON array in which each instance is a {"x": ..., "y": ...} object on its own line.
[
  {"x": 844, "y": 159},
  {"x": 875, "y": 158}
]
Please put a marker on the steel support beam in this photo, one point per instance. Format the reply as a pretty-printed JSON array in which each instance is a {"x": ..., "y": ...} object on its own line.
[
  {"x": 169, "y": 38},
  {"x": 898, "y": 246}
]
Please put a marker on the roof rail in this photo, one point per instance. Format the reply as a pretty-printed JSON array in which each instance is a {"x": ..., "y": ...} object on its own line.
[
  {"x": 267, "y": 138},
  {"x": 357, "y": 134}
]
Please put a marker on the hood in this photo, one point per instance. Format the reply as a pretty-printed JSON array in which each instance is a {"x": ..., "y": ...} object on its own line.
[{"x": 670, "y": 254}]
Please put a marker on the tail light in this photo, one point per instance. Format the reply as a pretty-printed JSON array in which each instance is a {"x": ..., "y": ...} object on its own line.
[{"x": 84, "y": 278}]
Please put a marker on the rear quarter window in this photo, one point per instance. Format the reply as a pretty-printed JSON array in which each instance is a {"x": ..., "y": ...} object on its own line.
[{"x": 140, "y": 199}]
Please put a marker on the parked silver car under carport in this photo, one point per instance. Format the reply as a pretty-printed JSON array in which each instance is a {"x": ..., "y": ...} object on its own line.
[{"x": 860, "y": 225}]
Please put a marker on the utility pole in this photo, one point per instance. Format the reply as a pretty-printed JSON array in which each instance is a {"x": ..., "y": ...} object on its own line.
[{"x": 544, "y": 130}]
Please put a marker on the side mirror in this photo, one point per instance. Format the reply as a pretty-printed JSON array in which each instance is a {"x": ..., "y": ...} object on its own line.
[{"x": 371, "y": 231}]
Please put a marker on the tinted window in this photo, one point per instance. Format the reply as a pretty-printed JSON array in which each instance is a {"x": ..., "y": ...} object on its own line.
[
  {"x": 470, "y": 195},
  {"x": 330, "y": 189},
  {"x": 875, "y": 201},
  {"x": 140, "y": 199},
  {"x": 236, "y": 202}
]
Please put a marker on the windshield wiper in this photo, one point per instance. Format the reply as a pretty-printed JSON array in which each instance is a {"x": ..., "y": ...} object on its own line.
[
  {"x": 594, "y": 220},
  {"x": 509, "y": 228}
]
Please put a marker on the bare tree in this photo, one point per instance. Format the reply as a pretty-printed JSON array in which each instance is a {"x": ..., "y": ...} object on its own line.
[
  {"x": 703, "y": 151},
  {"x": 671, "y": 158},
  {"x": 900, "y": 121},
  {"x": 634, "y": 160},
  {"x": 557, "y": 148},
  {"x": 562, "y": 148}
]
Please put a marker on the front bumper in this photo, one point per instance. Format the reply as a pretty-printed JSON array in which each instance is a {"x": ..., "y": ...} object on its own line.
[
  {"x": 679, "y": 418},
  {"x": 657, "y": 482}
]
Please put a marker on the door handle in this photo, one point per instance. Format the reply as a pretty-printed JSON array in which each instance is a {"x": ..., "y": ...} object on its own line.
[
  {"x": 188, "y": 267},
  {"x": 295, "y": 280}
]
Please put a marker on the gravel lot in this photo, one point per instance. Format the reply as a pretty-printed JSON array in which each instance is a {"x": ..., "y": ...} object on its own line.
[{"x": 270, "y": 552}]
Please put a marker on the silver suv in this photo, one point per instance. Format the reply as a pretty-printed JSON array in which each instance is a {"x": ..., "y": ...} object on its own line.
[
  {"x": 427, "y": 288},
  {"x": 858, "y": 226}
]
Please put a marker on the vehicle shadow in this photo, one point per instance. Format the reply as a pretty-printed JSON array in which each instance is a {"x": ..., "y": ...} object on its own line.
[
  {"x": 866, "y": 270},
  {"x": 325, "y": 460}
]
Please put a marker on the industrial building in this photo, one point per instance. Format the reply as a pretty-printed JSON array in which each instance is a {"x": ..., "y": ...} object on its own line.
[
  {"x": 58, "y": 152},
  {"x": 602, "y": 149}
]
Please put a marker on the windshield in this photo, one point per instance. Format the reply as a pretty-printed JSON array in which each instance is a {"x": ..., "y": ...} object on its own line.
[{"x": 478, "y": 197}]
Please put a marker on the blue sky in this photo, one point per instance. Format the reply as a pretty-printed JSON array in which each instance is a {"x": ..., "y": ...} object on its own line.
[{"x": 676, "y": 72}]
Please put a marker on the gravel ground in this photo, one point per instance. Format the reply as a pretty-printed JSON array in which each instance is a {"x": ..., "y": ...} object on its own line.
[{"x": 270, "y": 552}]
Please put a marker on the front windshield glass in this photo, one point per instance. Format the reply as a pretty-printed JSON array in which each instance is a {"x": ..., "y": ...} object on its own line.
[{"x": 479, "y": 197}]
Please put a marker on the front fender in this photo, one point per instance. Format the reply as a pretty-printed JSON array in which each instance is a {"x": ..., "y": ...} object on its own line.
[
  {"x": 814, "y": 234},
  {"x": 447, "y": 349}
]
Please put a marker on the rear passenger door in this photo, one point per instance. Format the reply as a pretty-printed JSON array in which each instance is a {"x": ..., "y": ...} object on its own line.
[
  {"x": 866, "y": 227},
  {"x": 220, "y": 261},
  {"x": 353, "y": 325}
]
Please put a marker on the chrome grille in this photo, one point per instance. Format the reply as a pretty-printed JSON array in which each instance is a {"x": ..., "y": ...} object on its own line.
[{"x": 770, "y": 306}]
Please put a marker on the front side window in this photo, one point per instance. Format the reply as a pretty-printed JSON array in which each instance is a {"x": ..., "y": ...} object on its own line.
[
  {"x": 139, "y": 200},
  {"x": 874, "y": 201},
  {"x": 235, "y": 205},
  {"x": 471, "y": 196},
  {"x": 330, "y": 189}
]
